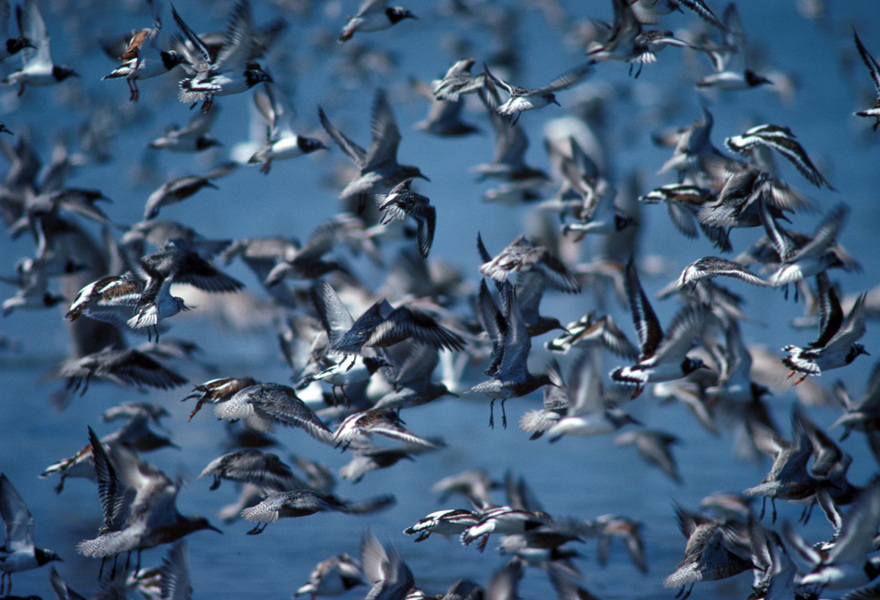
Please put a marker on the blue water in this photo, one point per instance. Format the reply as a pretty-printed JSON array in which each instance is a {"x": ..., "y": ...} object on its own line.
[{"x": 576, "y": 477}]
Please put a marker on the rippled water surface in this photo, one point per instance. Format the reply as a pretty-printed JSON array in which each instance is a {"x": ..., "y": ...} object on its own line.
[{"x": 582, "y": 478}]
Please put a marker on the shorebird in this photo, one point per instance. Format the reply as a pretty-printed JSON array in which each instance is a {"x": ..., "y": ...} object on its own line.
[
  {"x": 143, "y": 58},
  {"x": 332, "y": 577},
  {"x": 781, "y": 139},
  {"x": 10, "y": 45},
  {"x": 874, "y": 70},
  {"x": 252, "y": 466},
  {"x": 379, "y": 169},
  {"x": 845, "y": 564},
  {"x": 37, "y": 66},
  {"x": 139, "y": 505},
  {"x": 511, "y": 345},
  {"x": 457, "y": 81},
  {"x": 374, "y": 15},
  {"x": 715, "y": 549},
  {"x": 122, "y": 366},
  {"x": 448, "y": 523},
  {"x": 662, "y": 357},
  {"x": 195, "y": 136},
  {"x": 729, "y": 65},
  {"x": 402, "y": 202},
  {"x": 302, "y": 503},
  {"x": 836, "y": 345},
  {"x": 18, "y": 552},
  {"x": 281, "y": 141},
  {"x": 389, "y": 577},
  {"x": 522, "y": 99},
  {"x": 230, "y": 71}
]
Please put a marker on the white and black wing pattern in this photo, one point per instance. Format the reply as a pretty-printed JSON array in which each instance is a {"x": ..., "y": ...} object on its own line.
[{"x": 645, "y": 320}]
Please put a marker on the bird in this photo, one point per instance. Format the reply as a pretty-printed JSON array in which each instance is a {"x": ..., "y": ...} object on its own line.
[
  {"x": 192, "y": 137},
  {"x": 333, "y": 576},
  {"x": 590, "y": 410},
  {"x": 176, "y": 190},
  {"x": 802, "y": 258},
  {"x": 730, "y": 70},
  {"x": 522, "y": 255},
  {"x": 846, "y": 563},
  {"x": 139, "y": 506},
  {"x": 511, "y": 345},
  {"x": 122, "y": 366},
  {"x": 715, "y": 549},
  {"x": 402, "y": 202},
  {"x": 836, "y": 345},
  {"x": 388, "y": 575},
  {"x": 628, "y": 41},
  {"x": 10, "y": 45},
  {"x": 781, "y": 139},
  {"x": 662, "y": 357},
  {"x": 874, "y": 70},
  {"x": 231, "y": 72},
  {"x": 522, "y": 99},
  {"x": 458, "y": 80},
  {"x": 447, "y": 523},
  {"x": 302, "y": 503},
  {"x": 281, "y": 141},
  {"x": 374, "y": 15},
  {"x": 37, "y": 67},
  {"x": 18, "y": 552},
  {"x": 358, "y": 429},
  {"x": 251, "y": 465},
  {"x": 379, "y": 169},
  {"x": 715, "y": 266},
  {"x": 143, "y": 59}
]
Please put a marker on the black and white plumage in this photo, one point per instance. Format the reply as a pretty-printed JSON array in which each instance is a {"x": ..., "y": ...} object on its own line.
[
  {"x": 358, "y": 429},
  {"x": 37, "y": 67},
  {"x": 728, "y": 58},
  {"x": 10, "y": 45},
  {"x": 628, "y": 41},
  {"x": 374, "y": 15},
  {"x": 837, "y": 344},
  {"x": 663, "y": 357},
  {"x": 402, "y": 202},
  {"x": 447, "y": 523},
  {"x": 231, "y": 71},
  {"x": 281, "y": 140},
  {"x": 813, "y": 255},
  {"x": 521, "y": 99},
  {"x": 714, "y": 266},
  {"x": 144, "y": 59},
  {"x": 18, "y": 552},
  {"x": 874, "y": 70},
  {"x": 782, "y": 140}
]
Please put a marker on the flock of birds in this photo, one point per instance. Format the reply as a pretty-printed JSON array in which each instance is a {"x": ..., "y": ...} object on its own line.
[{"x": 362, "y": 355}]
